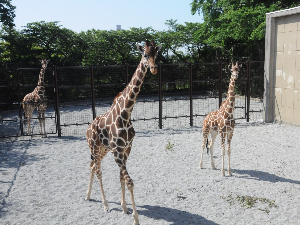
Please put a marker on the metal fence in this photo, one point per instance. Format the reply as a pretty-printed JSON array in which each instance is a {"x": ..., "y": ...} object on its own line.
[{"x": 179, "y": 95}]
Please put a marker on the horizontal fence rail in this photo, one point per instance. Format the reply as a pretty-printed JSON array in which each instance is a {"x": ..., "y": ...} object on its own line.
[{"x": 179, "y": 95}]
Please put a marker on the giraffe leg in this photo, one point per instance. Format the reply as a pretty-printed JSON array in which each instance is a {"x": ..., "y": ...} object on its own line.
[
  {"x": 41, "y": 111},
  {"x": 214, "y": 134},
  {"x": 99, "y": 176},
  {"x": 98, "y": 152},
  {"x": 205, "y": 133},
  {"x": 42, "y": 124},
  {"x": 123, "y": 201},
  {"x": 222, "y": 134},
  {"x": 229, "y": 137},
  {"x": 28, "y": 113},
  {"x": 89, "y": 191},
  {"x": 121, "y": 158}
]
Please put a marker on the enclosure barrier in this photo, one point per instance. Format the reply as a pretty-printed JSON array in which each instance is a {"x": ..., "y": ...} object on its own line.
[{"x": 180, "y": 95}]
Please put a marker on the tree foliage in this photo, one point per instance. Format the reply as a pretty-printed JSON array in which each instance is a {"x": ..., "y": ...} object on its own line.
[
  {"x": 236, "y": 27},
  {"x": 232, "y": 30},
  {"x": 7, "y": 13}
]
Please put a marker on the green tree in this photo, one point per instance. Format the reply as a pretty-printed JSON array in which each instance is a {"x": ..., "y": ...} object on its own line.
[
  {"x": 114, "y": 47},
  {"x": 7, "y": 13},
  {"x": 42, "y": 40},
  {"x": 237, "y": 27}
]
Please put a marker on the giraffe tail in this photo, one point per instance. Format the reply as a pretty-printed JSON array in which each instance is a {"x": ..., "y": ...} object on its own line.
[{"x": 207, "y": 146}]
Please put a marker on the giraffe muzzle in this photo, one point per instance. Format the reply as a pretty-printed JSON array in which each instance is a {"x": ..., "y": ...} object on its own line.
[{"x": 153, "y": 69}]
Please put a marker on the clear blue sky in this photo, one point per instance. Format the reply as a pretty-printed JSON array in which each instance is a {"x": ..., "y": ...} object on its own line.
[{"x": 83, "y": 15}]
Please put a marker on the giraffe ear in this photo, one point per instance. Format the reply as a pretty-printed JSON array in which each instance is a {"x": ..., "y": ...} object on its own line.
[
  {"x": 158, "y": 48},
  {"x": 48, "y": 60},
  {"x": 140, "y": 48}
]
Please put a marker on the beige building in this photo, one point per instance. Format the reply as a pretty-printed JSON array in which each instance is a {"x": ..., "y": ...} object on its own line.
[{"x": 282, "y": 67}]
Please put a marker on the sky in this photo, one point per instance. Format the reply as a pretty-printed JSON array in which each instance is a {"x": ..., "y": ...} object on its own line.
[{"x": 83, "y": 15}]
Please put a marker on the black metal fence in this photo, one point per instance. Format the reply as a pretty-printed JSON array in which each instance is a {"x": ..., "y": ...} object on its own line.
[{"x": 180, "y": 95}]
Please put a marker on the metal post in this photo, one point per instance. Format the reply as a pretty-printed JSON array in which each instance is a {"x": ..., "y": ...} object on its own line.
[
  {"x": 20, "y": 105},
  {"x": 159, "y": 97},
  {"x": 248, "y": 91},
  {"x": 126, "y": 74},
  {"x": 93, "y": 91},
  {"x": 191, "y": 94},
  {"x": 56, "y": 102},
  {"x": 220, "y": 83}
]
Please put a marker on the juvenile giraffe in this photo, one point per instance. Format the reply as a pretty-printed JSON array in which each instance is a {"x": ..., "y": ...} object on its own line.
[
  {"x": 113, "y": 131},
  {"x": 36, "y": 99},
  {"x": 222, "y": 122}
]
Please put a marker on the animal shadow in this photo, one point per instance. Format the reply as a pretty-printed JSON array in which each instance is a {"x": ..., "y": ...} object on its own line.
[
  {"x": 264, "y": 176},
  {"x": 174, "y": 216}
]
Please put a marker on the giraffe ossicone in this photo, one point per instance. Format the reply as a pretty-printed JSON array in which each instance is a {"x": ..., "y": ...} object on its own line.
[
  {"x": 37, "y": 100},
  {"x": 221, "y": 121},
  {"x": 113, "y": 131}
]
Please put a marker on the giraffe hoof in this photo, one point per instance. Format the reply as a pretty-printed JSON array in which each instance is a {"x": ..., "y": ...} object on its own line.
[
  {"x": 86, "y": 198},
  {"x": 126, "y": 212}
]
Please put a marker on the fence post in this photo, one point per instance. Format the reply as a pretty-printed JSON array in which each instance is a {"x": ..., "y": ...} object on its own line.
[
  {"x": 191, "y": 94},
  {"x": 19, "y": 100},
  {"x": 159, "y": 97},
  {"x": 56, "y": 102},
  {"x": 248, "y": 91},
  {"x": 126, "y": 74},
  {"x": 93, "y": 91},
  {"x": 220, "y": 83}
]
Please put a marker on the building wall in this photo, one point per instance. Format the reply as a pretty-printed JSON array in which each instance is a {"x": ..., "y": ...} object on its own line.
[{"x": 282, "y": 67}]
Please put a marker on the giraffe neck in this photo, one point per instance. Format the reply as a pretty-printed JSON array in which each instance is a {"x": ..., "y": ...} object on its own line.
[
  {"x": 228, "y": 105},
  {"x": 125, "y": 101},
  {"x": 40, "y": 87},
  {"x": 231, "y": 94}
]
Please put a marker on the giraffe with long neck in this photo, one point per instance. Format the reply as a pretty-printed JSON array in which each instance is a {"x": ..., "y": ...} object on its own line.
[
  {"x": 36, "y": 99},
  {"x": 221, "y": 121},
  {"x": 113, "y": 131}
]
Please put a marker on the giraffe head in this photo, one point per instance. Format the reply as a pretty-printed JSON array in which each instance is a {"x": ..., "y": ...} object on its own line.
[
  {"x": 149, "y": 53},
  {"x": 235, "y": 70},
  {"x": 45, "y": 62}
]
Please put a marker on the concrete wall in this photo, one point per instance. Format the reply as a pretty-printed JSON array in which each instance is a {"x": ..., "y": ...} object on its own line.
[{"x": 282, "y": 67}]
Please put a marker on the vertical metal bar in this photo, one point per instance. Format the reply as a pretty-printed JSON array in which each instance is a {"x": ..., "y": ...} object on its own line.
[
  {"x": 248, "y": 90},
  {"x": 159, "y": 97},
  {"x": 93, "y": 91},
  {"x": 20, "y": 105},
  {"x": 56, "y": 101},
  {"x": 191, "y": 94},
  {"x": 126, "y": 74},
  {"x": 220, "y": 83}
]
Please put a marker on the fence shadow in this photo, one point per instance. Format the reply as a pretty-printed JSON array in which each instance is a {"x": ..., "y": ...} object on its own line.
[
  {"x": 13, "y": 160},
  {"x": 263, "y": 176}
]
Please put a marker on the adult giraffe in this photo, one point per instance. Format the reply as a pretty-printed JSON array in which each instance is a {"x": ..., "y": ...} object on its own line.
[
  {"x": 113, "y": 131},
  {"x": 222, "y": 122},
  {"x": 36, "y": 99}
]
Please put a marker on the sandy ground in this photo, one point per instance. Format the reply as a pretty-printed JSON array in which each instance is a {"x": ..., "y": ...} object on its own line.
[{"x": 44, "y": 180}]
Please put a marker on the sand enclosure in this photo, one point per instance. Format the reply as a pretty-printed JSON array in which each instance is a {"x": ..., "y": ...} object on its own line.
[{"x": 44, "y": 180}]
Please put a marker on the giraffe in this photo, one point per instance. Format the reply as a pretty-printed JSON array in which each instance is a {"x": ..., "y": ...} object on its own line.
[
  {"x": 113, "y": 131},
  {"x": 221, "y": 121},
  {"x": 36, "y": 99}
]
